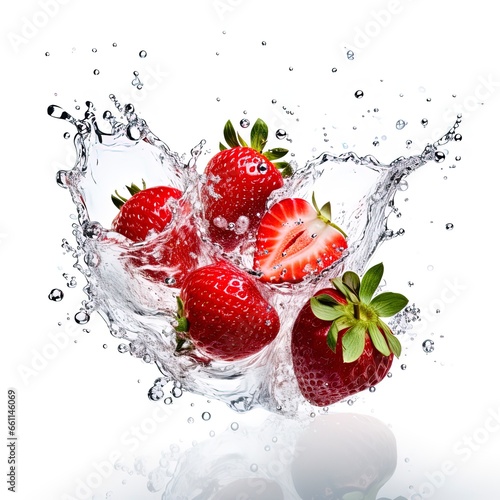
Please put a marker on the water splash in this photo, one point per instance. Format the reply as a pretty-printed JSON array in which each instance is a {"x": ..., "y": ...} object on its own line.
[{"x": 142, "y": 312}]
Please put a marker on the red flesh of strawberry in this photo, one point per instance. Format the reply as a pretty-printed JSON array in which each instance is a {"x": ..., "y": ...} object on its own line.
[{"x": 293, "y": 242}]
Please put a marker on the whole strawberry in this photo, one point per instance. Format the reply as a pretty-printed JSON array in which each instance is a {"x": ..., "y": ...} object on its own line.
[
  {"x": 238, "y": 182},
  {"x": 224, "y": 315},
  {"x": 340, "y": 346},
  {"x": 167, "y": 252},
  {"x": 296, "y": 239}
]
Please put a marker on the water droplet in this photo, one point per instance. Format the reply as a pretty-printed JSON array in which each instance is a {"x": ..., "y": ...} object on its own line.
[
  {"x": 155, "y": 393},
  {"x": 168, "y": 401},
  {"x": 96, "y": 72},
  {"x": 264, "y": 43},
  {"x": 190, "y": 420},
  {"x": 176, "y": 392},
  {"x": 244, "y": 123},
  {"x": 47, "y": 54},
  {"x": 372, "y": 389},
  {"x": 122, "y": 348},
  {"x": 439, "y": 156},
  {"x": 170, "y": 281},
  {"x": 410, "y": 283},
  {"x": 358, "y": 94},
  {"x": 235, "y": 426},
  {"x": 424, "y": 122},
  {"x": 206, "y": 416},
  {"x": 143, "y": 54},
  {"x": 430, "y": 267},
  {"x": 254, "y": 467},
  {"x": 94, "y": 50},
  {"x": 218, "y": 99},
  {"x": 104, "y": 346},
  {"x": 403, "y": 367},
  {"x": 56, "y": 295},
  {"x": 115, "y": 44},
  {"x": 82, "y": 317},
  {"x": 428, "y": 346},
  {"x": 290, "y": 68},
  {"x": 281, "y": 134},
  {"x": 67, "y": 135},
  {"x": 458, "y": 137},
  {"x": 400, "y": 124},
  {"x": 350, "y": 402},
  {"x": 350, "y": 55},
  {"x": 267, "y": 447},
  {"x": 334, "y": 70},
  {"x": 449, "y": 226}
]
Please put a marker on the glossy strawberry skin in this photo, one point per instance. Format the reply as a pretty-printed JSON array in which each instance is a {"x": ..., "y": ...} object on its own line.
[
  {"x": 322, "y": 375},
  {"x": 294, "y": 242},
  {"x": 238, "y": 183},
  {"x": 228, "y": 317},
  {"x": 167, "y": 254}
]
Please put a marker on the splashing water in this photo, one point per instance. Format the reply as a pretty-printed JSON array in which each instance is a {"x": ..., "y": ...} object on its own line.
[{"x": 143, "y": 312}]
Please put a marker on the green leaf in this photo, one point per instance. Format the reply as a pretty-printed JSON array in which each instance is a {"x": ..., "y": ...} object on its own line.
[
  {"x": 378, "y": 339},
  {"x": 230, "y": 135},
  {"x": 275, "y": 153},
  {"x": 326, "y": 211},
  {"x": 392, "y": 340},
  {"x": 118, "y": 200},
  {"x": 343, "y": 289},
  {"x": 351, "y": 279},
  {"x": 258, "y": 135},
  {"x": 242, "y": 141},
  {"x": 353, "y": 343},
  {"x": 222, "y": 147},
  {"x": 332, "y": 337},
  {"x": 326, "y": 312},
  {"x": 370, "y": 282},
  {"x": 284, "y": 167},
  {"x": 134, "y": 188},
  {"x": 388, "y": 304}
]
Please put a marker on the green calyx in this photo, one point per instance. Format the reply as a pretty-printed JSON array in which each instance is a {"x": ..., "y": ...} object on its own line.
[
  {"x": 325, "y": 214},
  {"x": 182, "y": 328},
  {"x": 119, "y": 200},
  {"x": 360, "y": 314},
  {"x": 258, "y": 141}
]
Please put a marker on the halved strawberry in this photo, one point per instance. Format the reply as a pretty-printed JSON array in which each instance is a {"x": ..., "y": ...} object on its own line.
[
  {"x": 295, "y": 240},
  {"x": 238, "y": 182}
]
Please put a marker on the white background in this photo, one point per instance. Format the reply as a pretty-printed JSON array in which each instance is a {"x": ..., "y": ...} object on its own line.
[{"x": 79, "y": 407}]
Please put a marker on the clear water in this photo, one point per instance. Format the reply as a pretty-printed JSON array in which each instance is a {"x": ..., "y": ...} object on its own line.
[{"x": 120, "y": 149}]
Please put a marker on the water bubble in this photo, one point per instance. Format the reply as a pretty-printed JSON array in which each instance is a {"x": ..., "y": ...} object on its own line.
[
  {"x": 143, "y": 54},
  {"x": 350, "y": 55},
  {"x": 449, "y": 226},
  {"x": 190, "y": 420},
  {"x": 403, "y": 367},
  {"x": 424, "y": 122},
  {"x": 439, "y": 156},
  {"x": 176, "y": 392},
  {"x": 217, "y": 99},
  {"x": 334, "y": 70},
  {"x": 254, "y": 467},
  {"x": 47, "y": 54},
  {"x": 428, "y": 346},
  {"x": 400, "y": 124},
  {"x": 267, "y": 447},
  {"x": 235, "y": 426},
  {"x": 409, "y": 142},
  {"x": 281, "y": 134},
  {"x": 96, "y": 72},
  {"x": 115, "y": 44},
  {"x": 372, "y": 389},
  {"x": 155, "y": 393},
  {"x": 264, "y": 42},
  {"x": 168, "y": 401},
  {"x": 94, "y": 50},
  {"x": 458, "y": 137},
  {"x": 104, "y": 346},
  {"x": 170, "y": 281},
  {"x": 67, "y": 135},
  {"x": 56, "y": 295},
  {"x": 430, "y": 267},
  {"x": 122, "y": 348},
  {"x": 350, "y": 402},
  {"x": 211, "y": 434},
  {"x": 206, "y": 416},
  {"x": 358, "y": 94},
  {"x": 244, "y": 123},
  {"x": 82, "y": 317},
  {"x": 274, "y": 101}
]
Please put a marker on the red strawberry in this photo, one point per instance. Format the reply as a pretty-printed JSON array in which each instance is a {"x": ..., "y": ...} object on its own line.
[
  {"x": 224, "y": 314},
  {"x": 340, "y": 346},
  {"x": 238, "y": 183},
  {"x": 165, "y": 255},
  {"x": 296, "y": 240}
]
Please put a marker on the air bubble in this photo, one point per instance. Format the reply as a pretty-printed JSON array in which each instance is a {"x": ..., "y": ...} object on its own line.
[
  {"x": 123, "y": 348},
  {"x": 428, "y": 346},
  {"x": 281, "y": 134},
  {"x": 67, "y": 135},
  {"x": 82, "y": 317},
  {"x": 143, "y": 54},
  {"x": 168, "y": 401},
  {"x": 176, "y": 392},
  {"x": 359, "y": 94},
  {"x": 56, "y": 295},
  {"x": 96, "y": 72},
  {"x": 264, "y": 42},
  {"x": 94, "y": 50},
  {"x": 334, "y": 70},
  {"x": 424, "y": 122},
  {"x": 350, "y": 55},
  {"x": 372, "y": 389},
  {"x": 439, "y": 156},
  {"x": 206, "y": 416},
  {"x": 155, "y": 393},
  {"x": 235, "y": 426},
  {"x": 403, "y": 367},
  {"x": 400, "y": 124},
  {"x": 190, "y": 420},
  {"x": 47, "y": 54}
]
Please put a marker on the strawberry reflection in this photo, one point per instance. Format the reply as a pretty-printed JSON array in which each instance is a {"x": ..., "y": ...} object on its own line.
[{"x": 343, "y": 456}]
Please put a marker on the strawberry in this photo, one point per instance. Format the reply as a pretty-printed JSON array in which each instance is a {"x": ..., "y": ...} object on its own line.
[
  {"x": 340, "y": 346},
  {"x": 223, "y": 314},
  {"x": 238, "y": 182},
  {"x": 296, "y": 239},
  {"x": 164, "y": 255}
]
